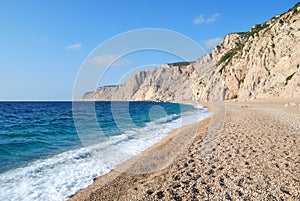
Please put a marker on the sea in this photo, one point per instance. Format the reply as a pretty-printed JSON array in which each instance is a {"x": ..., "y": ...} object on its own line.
[{"x": 51, "y": 150}]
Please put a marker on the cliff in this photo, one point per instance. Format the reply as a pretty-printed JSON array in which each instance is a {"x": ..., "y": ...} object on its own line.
[{"x": 261, "y": 63}]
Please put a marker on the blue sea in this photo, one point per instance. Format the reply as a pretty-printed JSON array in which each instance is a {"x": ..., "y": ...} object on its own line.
[{"x": 51, "y": 150}]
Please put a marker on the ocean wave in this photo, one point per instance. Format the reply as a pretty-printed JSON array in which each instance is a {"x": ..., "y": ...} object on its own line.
[{"x": 61, "y": 175}]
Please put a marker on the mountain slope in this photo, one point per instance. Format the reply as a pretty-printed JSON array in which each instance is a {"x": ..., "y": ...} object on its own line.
[{"x": 261, "y": 63}]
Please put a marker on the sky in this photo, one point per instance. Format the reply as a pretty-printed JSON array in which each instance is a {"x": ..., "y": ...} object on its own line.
[{"x": 45, "y": 43}]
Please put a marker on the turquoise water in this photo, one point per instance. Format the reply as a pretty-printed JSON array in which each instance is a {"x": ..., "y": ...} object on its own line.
[
  {"x": 44, "y": 156},
  {"x": 34, "y": 130}
]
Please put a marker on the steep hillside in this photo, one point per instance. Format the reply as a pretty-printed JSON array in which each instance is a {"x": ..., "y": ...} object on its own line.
[{"x": 261, "y": 63}]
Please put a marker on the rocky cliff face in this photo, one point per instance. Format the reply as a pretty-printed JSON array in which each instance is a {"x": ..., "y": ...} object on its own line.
[{"x": 261, "y": 63}]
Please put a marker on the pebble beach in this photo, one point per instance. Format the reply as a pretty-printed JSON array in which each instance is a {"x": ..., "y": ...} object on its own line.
[{"x": 255, "y": 157}]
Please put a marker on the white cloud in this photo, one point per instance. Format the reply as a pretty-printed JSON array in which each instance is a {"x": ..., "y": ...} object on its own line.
[
  {"x": 75, "y": 47},
  {"x": 213, "y": 18},
  {"x": 109, "y": 59},
  {"x": 201, "y": 19},
  {"x": 212, "y": 42}
]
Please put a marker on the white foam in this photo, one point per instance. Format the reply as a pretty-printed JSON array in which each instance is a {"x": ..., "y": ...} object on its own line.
[{"x": 58, "y": 177}]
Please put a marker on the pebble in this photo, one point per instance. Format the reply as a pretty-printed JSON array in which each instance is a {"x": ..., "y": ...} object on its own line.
[{"x": 160, "y": 195}]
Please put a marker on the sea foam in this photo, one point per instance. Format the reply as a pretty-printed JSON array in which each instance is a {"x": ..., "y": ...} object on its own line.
[{"x": 62, "y": 175}]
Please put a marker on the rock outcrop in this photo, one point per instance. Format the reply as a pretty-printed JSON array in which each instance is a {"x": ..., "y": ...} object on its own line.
[{"x": 261, "y": 63}]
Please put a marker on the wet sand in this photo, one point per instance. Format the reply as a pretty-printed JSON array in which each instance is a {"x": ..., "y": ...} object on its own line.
[{"x": 249, "y": 151}]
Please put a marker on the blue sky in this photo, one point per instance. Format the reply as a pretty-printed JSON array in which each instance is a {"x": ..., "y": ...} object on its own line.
[{"x": 44, "y": 43}]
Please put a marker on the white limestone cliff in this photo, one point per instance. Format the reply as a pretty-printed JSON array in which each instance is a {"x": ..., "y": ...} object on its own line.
[{"x": 262, "y": 63}]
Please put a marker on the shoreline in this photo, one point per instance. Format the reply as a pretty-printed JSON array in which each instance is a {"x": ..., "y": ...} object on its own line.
[
  {"x": 146, "y": 162},
  {"x": 186, "y": 175},
  {"x": 126, "y": 166}
]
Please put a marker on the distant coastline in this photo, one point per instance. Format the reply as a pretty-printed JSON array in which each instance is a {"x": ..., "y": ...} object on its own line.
[{"x": 256, "y": 75}]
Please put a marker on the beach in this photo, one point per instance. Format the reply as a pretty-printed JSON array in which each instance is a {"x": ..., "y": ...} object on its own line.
[
  {"x": 256, "y": 156},
  {"x": 143, "y": 101}
]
